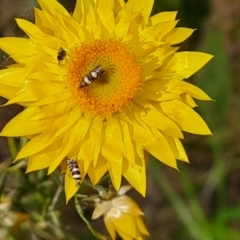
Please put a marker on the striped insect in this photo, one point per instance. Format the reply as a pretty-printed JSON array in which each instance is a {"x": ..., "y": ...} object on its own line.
[
  {"x": 61, "y": 55},
  {"x": 96, "y": 73},
  {"x": 75, "y": 172}
]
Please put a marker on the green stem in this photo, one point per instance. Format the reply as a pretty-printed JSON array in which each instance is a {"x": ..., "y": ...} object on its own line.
[
  {"x": 3, "y": 178},
  {"x": 53, "y": 214},
  {"x": 81, "y": 214},
  {"x": 12, "y": 147},
  {"x": 52, "y": 206}
]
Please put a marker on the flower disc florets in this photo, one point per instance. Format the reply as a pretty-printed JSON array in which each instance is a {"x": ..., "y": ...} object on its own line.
[{"x": 109, "y": 93}]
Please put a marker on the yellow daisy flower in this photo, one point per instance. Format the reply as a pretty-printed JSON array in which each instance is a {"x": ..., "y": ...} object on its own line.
[
  {"x": 122, "y": 215},
  {"x": 101, "y": 86}
]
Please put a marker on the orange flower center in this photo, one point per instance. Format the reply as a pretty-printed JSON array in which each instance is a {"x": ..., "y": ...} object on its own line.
[{"x": 103, "y": 76}]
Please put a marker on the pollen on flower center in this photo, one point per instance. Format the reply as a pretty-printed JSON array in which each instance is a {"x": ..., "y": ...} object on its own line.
[{"x": 114, "y": 87}]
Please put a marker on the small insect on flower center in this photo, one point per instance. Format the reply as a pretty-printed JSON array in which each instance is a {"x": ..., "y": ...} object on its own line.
[
  {"x": 103, "y": 76},
  {"x": 92, "y": 76}
]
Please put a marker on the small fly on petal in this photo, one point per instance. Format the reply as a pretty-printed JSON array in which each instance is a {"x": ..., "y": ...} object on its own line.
[
  {"x": 74, "y": 169},
  {"x": 61, "y": 55}
]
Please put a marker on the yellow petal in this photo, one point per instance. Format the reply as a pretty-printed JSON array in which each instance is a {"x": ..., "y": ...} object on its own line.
[
  {"x": 62, "y": 124},
  {"x": 160, "y": 149},
  {"x": 36, "y": 162},
  {"x": 60, "y": 96},
  {"x": 47, "y": 138},
  {"x": 78, "y": 11},
  {"x": 181, "y": 151},
  {"x": 124, "y": 189},
  {"x": 71, "y": 139},
  {"x": 85, "y": 13},
  {"x": 114, "y": 157},
  {"x": 110, "y": 226},
  {"x": 177, "y": 149},
  {"x": 66, "y": 28},
  {"x": 19, "y": 126},
  {"x": 105, "y": 11},
  {"x": 124, "y": 223},
  {"x": 101, "y": 208},
  {"x": 118, "y": 5},
  {"x": 124, "y": 236},
  {"x": 127, "y": 205},
  {"x": 178, "y": 35},
  {"x": 96, "y": 173},
  {"x": 96, "y": 138},
  {"x": 53, "y": 7},
  {"x": 157, "y": 32},
  {"x": 14, "y": 76},
  {"x": 127, "y": 141},
  {"x": 180, "y": 87},
  {"x": 158, "y": 120},
  {"x": 136, "y": 176},
  {"x": 36, "y": 35},
  {"x": 70, "y": 185},
  {"x": 15, "y": 65},
  {"x": 185, "y": 117},
  {"x": 185, "y": 64},
  {"x": 145, "y": 7},
  {"x": 35, "y": 145},
  {"x": 116, "y": 134},
  {"x": 141, "y": 131},
  {"x": 42, "y": 22},
  {"x": 63, "y": 166},
  {"x": 163, "y": 53},
  {"x": 85, "y": 155},
  {"x": 162, "y": 17},
  {"x": 35, "y": 113},
  {"x": 141, "y": 226},
  {"x": 44, "y": 76},
  {"x": 186, "y": 98},
  {"x": 19, "y": 48},
  {"x": 141, "y": 135},
  {"x": 7, "y": 91},
  {"x": 32, "y": 92},
  {"x": 122, "y": 27}
]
